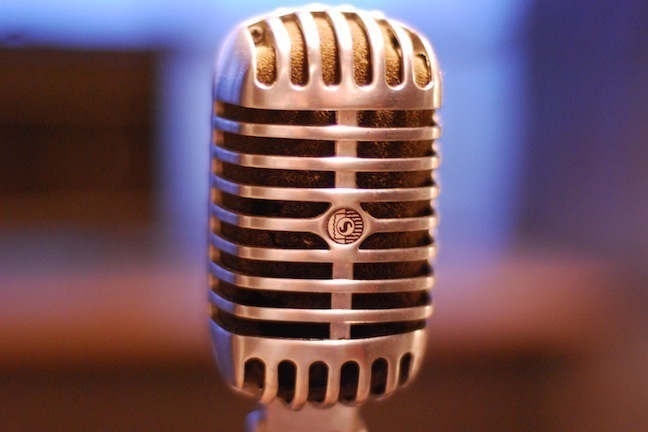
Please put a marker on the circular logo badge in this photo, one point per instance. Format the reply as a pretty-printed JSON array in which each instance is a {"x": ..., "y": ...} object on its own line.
[{"x": 345, "y": 226}]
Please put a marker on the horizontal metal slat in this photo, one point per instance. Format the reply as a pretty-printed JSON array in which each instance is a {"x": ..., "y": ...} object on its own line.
[
  {"x": 342, "y": 196},
  {"x": 373, "y": 225},
  {"x": 343, "y": 255},
  {"x": 364, "y": 316},
  {"x": 339, "y": 163},
  {"x": 329, "y": 132},
  {"x": 321, "y": 285}
]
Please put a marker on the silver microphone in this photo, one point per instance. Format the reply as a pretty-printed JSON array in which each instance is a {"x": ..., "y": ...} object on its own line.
[{"x": 321, "y": 211}]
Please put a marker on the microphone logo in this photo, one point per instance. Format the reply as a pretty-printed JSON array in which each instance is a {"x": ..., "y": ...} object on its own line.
[{"x": 345, "y": 226}]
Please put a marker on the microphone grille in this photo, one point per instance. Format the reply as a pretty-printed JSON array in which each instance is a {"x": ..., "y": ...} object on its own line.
[{"x": 321, "y": 214}]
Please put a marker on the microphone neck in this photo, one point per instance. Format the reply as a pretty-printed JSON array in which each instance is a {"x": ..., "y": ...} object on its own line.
[{"x": 277, "y": 417}]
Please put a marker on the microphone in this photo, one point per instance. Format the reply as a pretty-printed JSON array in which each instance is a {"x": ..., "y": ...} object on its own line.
[{"x": 321, "y": 215}]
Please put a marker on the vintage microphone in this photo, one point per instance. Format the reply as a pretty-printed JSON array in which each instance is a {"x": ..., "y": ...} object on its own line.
[{"x": 321, "y": 212}]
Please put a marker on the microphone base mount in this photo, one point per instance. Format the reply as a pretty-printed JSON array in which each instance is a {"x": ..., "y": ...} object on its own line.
[{"x": 277, "y": 417}]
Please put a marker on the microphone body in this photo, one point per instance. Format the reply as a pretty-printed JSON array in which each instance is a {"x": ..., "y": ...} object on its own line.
[{"x": 321, "y": 216}]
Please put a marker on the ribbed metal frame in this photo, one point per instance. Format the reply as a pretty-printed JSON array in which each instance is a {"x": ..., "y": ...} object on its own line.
[
  {"x": 303, "y": 354},
  {"x": 237, "y": 85}
]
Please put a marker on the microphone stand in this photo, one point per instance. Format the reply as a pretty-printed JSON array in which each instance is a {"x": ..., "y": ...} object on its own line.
[{"x": 277, "y": 417}]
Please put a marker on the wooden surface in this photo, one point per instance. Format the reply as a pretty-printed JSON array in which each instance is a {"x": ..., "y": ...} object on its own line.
[{"x": 121, "y": 305}]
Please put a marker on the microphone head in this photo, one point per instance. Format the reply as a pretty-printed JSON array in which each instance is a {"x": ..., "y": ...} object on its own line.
[{"x": 321, "y": 214}]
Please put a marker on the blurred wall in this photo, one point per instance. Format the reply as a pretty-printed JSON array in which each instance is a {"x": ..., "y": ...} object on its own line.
[
  {"x": 479, "y": 44},
  {"x": 586, "y": 146}
]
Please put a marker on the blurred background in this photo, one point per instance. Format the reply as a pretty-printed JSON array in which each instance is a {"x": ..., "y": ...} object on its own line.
[{"x": 541, "y": 320}]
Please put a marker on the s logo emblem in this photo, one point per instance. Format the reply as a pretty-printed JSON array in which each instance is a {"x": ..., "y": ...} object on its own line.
[{"x": 345, "y": 226}]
